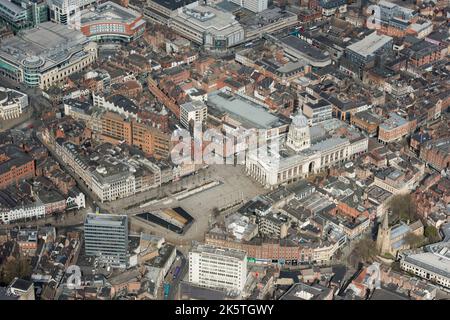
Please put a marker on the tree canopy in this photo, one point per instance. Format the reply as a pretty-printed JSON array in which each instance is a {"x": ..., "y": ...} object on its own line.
[
  {"x": 432, "y": 234},
  {"x": 414, "y": 240},
  {"x": 403, "y": 208},
  {"x": 20, "y": 268},
  {"x": 363, "y": 251}
]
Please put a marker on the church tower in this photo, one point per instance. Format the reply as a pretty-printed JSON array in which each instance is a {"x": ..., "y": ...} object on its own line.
[
  {"x": 384, "y": 236},
  {"x": 298, "y": 136}
]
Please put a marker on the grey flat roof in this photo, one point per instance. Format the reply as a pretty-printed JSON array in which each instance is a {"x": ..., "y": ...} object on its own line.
[
  {"x": 394, "y": 121},
  {"x": 109, "y": 12},
  {"x": 193, "y": 106},
  {"x": 225, "y": 252},
  {"x": 304, "y": 47},
  {"x": 328, "y": 144},
  {"x": 245, "y": 111},
  {"x": 48, "y": 44},
  {"x": 431, "y": 262},
  {"x": 11, "y": 6},
  {"x": 173, "y": 4},
  {"x": 106, "y": 219},
  {"x": 369, "y": 44}
]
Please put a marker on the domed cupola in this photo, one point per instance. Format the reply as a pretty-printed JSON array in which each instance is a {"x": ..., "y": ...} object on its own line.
[{"x": 298, "y": 137}]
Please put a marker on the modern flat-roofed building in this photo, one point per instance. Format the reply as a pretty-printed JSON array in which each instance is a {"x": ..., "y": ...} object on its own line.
[
  {"x": 196, "y": 111},
  {"x": 106, "y": 237},
  {"x": 161, "y": 11},
  {"x": 433, "y": 265},
  {"x": 302, "y": 50},
  {"x": 63, "y": 11},
  {"x": 252, "y": 5},
  {"x": 317, "y": 111},
  {"x": 19, "y": 289},
  {"x": 244, "y": 112},
  {"x": 45, "y": 55},
  {"x": 208, "y": 26},
  {"x": 303, "y": 291},
  {"x": 215, "y": 267},
  {"x": 364, "y": 51},
  {"x": 266, "y": 22},
  {"x": 395, "y": 128},
  {"x": 23, "y": 14},
  {"x": 397, "y": 21},
  {"x": 110, "y": 21}
]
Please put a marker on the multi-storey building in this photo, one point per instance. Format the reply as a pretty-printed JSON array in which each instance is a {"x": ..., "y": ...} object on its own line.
[
  {"x": 110, "y": 21},
  {"x": 116, "y": 103},
  {"x": 362, "y": 53},
  {"x": 397, "y": 21},
  {"x": 12, "y": 103},
  {"x": 23, "y": 14},
  {"x": 395, "y": 128},
  {"x": 113, "y": 176},
  {"x": 67, "y": 11},
  {"x": 252, "y": 5},
  {"x": 33, "y": 210},
  {"x": 424, "y": 53},
  {"x": 433, "y": 265},
  {"x": 398, "y": 181},
  {"x": 106, "y": 237},
  {"x": 330, "y": 7},
  {"x": 302, "y": 157},
  {"x": 195, "y": 111},
  {"x": 208, "y": 26},
  {"x": 273, "y": 226},
  {"x": 43, "y": 56},
  {"x": 276, "y": 251},
  {"x": 317, "y": 111},
  {"x": 15, "y": 165},
  {"x": 436, "y": 153},
  {"x": 161, "y": 11},
  {"x": 215, "y": 267},
  {"x": 366, "y": 121},
  {"x": 116, "y": 128},
  {"x": 299, "y": 49}
]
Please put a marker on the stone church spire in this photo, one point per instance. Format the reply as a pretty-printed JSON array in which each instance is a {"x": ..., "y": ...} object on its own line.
[{"x": 384, "y": 236}]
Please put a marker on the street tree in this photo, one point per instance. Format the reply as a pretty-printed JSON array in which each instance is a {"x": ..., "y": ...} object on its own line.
[
  {"x": 414, "y": 240},
  {"x": 403, "y": 208},
  {"x": 363, "y": 251},
  {"x": 432, "y": 234}
]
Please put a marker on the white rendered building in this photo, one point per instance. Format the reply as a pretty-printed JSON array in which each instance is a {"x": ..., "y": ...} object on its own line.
[
  {"x": 214, "y": 267},
  {"x": 12, "y": 103},
  {"x": 208, "y": 26},
  {"x": 252, "y": 5},
  {"x": 195, "y": 110}
]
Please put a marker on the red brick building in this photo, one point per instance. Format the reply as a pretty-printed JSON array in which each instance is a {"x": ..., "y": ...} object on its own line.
[
  {"x": 437, "y": 153},
  {"x": 111, "y": 21},
  {"x": 15, "y": 165}
]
